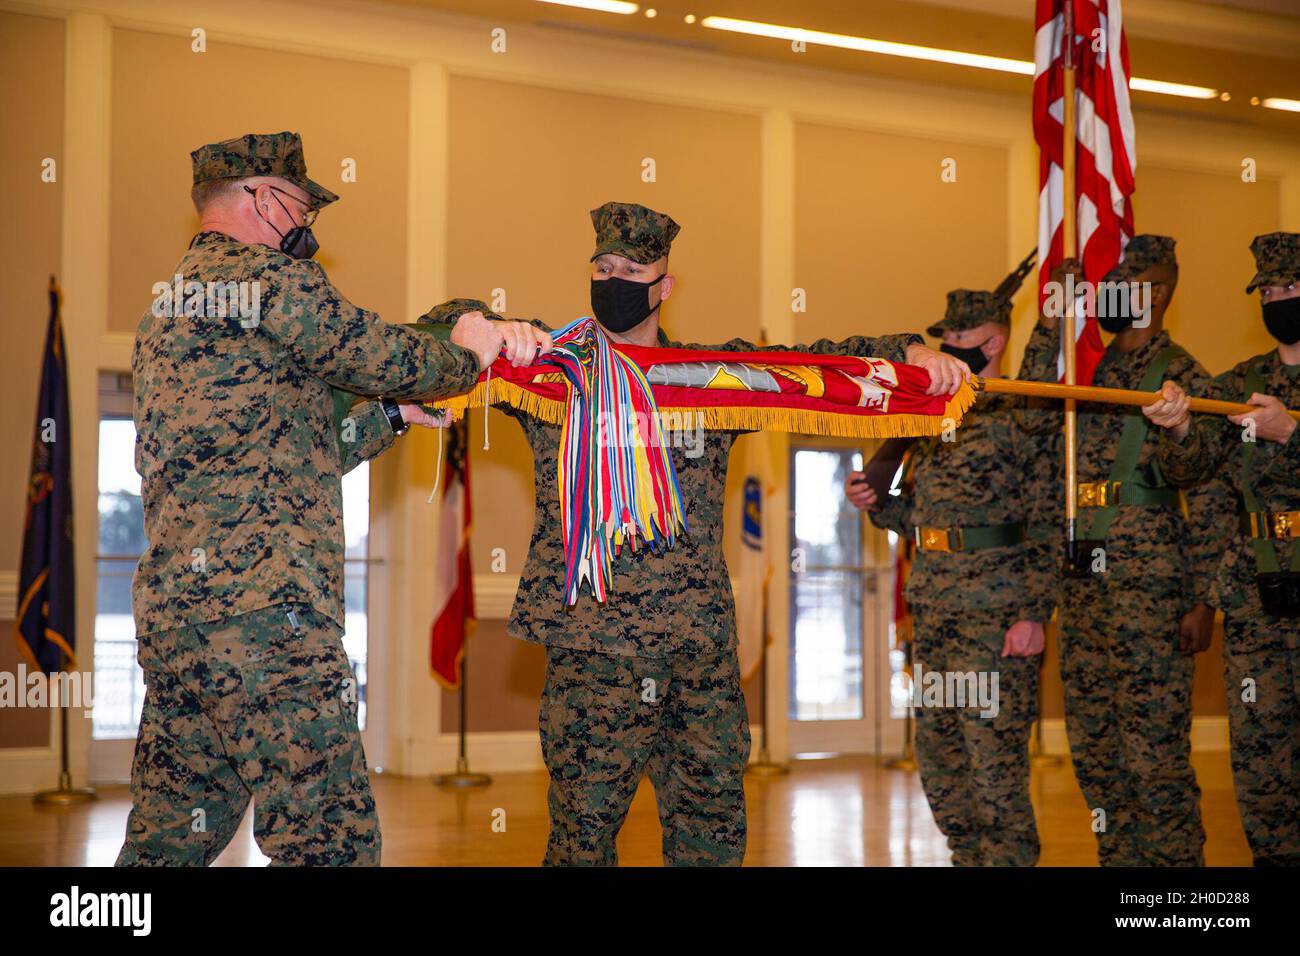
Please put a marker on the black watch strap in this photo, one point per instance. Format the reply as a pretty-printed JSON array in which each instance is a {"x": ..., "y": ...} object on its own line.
[{"x": 394, "y": 414}]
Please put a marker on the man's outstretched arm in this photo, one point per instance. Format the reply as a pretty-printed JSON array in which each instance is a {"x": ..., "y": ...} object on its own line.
[
  {"x": 353, "y": 349},
  {"x": 946, "y": 372},
  {"x": 524, "y": 339}
]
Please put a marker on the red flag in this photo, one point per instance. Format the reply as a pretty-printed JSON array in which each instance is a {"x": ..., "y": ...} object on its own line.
[
  {"x": 1106, "y": 150},
  {"x": 454, "y": 594},
  {"x": 902, "y": 610}
]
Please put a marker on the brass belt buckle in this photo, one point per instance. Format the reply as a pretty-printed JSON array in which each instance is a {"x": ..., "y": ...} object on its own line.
[
  {"x": 938, "y": 539},
  {"x": 1284, "y": 524},
  {"x": 1097, "y": 494}
]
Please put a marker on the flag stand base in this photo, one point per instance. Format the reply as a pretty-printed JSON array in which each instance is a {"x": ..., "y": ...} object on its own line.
[
  {"x": 462, "y": 779},
  {"x": 904, "y": 762},
  {"x": 66, "y": 795},
  {"x": 765, "y": 767}
]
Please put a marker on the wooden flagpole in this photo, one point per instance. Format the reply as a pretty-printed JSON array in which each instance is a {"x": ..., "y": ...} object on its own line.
[
  {"x": 1109, "y": 396},
  {"x": 1069, "y": 237},
  {"x": 765, "y": 766}
]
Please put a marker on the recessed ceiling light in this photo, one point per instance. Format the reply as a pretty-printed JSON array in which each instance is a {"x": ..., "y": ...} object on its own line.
[
  {"x": 1277, "y": 103},
  {"x": 867, "y": 45},
  {"x": 603, "y": 6},
  {"x": 1172, "y": 89},
  {"x": 932, "y": 54}
]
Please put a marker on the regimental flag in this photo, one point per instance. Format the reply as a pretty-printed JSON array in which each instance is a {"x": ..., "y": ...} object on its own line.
[
  {"x": 903, "y": 610},
  {"x": 808, "y": 393},
  {"x": 46, "y": 620},
  {"x": 616, "y": 405},
  {"x": 454, "y": 616},
  {"x": 1106, "y": 150}
]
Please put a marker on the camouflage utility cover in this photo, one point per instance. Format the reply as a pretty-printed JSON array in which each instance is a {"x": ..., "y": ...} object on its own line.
[
  {"x": 1277, "y": 259},
  {"x": 633, "y": 231},
  {"x": 969, "y": 309},
  {"x": 259, "y": 154}
]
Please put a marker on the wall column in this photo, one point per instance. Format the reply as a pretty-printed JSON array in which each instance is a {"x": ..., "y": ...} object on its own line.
[
  {"x": 84, "y": 169},
  {"x": 414, "y": 716},
  {"x": 776, "y": 259},
  {"x": 1022, "y": 234}
]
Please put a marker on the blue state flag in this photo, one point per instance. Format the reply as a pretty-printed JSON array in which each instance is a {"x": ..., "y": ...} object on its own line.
[{"x": 45, "y": 624}]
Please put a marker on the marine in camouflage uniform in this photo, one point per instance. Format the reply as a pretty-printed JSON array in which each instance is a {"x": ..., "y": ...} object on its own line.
[
  {"x": 979, "y": 506},
  {"x": 1126, "y": 628},
  {"x": 238, "y": 599},
  {"x": 1261, "y": 650},
  {"x": 648, "y": 682}
]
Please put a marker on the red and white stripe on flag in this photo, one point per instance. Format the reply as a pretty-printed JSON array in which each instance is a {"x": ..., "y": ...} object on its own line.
[{"x": 1106, "y": 151}]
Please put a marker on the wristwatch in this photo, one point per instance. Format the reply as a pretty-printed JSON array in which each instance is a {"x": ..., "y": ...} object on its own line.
[{"x": 394, "y": 414}]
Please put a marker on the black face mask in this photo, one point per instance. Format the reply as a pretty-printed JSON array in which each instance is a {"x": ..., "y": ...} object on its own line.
[
  {"x": 1114, "y": 324},
  {"x": 1122, "y": 301},
  {"x": 1282, "y": 319},
  {"x": 621, "y": 304},
  {"x": 298, "y": 242},
  {"x": 974, "y": 356}
]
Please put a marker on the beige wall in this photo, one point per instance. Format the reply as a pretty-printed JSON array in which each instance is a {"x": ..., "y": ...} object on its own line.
[
  {"x": 1213, "y": 216},
  {"x": 31, "y": 127},
  {"x": 167, "y": 101},
  {"x": 880, "y": 238}
]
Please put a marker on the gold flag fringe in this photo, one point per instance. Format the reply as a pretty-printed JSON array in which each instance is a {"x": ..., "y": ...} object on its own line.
[{"x": 797, "y": 420}]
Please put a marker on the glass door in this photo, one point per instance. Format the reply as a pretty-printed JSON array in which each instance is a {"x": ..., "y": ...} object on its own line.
[{"x": 839, "y": 583}]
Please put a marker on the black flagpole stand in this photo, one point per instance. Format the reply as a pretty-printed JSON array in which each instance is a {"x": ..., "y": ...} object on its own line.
[
  {"x": 66, "y": 794},
  {"x": 463, "y": 777},
  {"x": 764, "y": 766},
  {"x": 907, "y": 759}
]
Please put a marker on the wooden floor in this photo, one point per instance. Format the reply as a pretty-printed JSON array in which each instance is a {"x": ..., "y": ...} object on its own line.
[{"x": 849, "y": 811}]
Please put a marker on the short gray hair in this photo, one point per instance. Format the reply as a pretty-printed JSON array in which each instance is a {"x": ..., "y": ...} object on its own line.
[{"x": 205, "y": 193}]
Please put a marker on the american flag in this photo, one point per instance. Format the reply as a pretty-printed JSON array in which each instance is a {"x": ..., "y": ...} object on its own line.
[{"x": 1106, "y": 150}]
